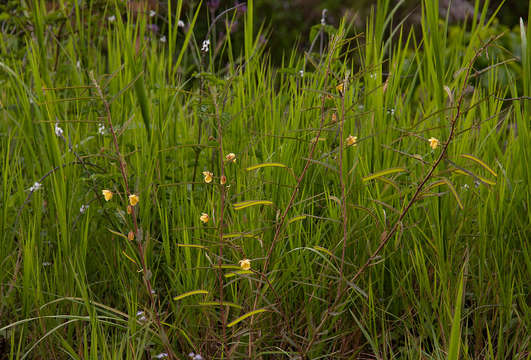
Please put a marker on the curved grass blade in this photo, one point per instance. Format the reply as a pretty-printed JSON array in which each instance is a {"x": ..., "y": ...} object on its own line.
[
  {"x": 245, "y": 316},
  {"x": 239, "y": 235},
  {"x": 246, "y": 204},
  {"x": 452, "y": 189},
  {"x": 296, "y": 218},
  {"x": 242, "y": 272},
  {"x": 217, "y": 303},
  {"x": 130, "y": 258},
  {"x": 190, "y": 293},
  {"x": 455, "y": 332},
  {"x": 480, "y": 162},
  {"x": 475, "y": 176},
  {"x": 383, "y": 173},
  {"x": 192, "y": 246},
  {"x": 322, "y": 249},
  {"x": 265, "y": 165}
]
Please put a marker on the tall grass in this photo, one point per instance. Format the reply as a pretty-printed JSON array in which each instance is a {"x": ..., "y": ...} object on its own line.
[{"x": 377, "y": 246}]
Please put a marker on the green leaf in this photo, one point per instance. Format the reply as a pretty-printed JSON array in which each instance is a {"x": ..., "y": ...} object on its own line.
[
  {"x": 245, "y": 316},
  {"x": 190, "y": 293},
  {"x": 246, "y": 204},
  {"x": 480, "y": 162},
  {"x": 383, "y": 173},
  {"x": 455, "y": 333},
  {"x": 266, "y": 165}
]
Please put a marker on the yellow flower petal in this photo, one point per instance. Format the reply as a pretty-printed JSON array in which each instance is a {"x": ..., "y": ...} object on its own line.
[
  {"x": 208, "y": 176},
  {"x": 434, "y": 143},
  {"x": 352, "y": 140},
  {"x": 231, "y": 157},
  {"x": 204, "y": 217},
  {"x": 245, "y": 264},
  {"x": 107, "y": 194},
  {"x": 133, "y": 199}
]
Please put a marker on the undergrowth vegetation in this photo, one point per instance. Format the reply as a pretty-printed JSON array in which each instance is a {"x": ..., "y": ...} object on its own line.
[{"x": 179, "y": 195}]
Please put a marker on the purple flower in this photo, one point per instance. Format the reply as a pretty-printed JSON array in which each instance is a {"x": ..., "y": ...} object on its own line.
[{"x": 153, "y": 27}]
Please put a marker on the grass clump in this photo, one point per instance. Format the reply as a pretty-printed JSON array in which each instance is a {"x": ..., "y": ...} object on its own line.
[{"x": 181, "y": 195}]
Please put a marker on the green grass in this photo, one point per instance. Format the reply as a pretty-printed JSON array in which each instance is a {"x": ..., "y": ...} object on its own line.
[{"x": 383, "y": 249}]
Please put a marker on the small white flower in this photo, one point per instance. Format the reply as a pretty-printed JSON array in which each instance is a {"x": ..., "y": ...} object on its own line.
[
  {"x": 153, "y": 291},
  {"x": 152, "y": 13},
  {"x": 101, "y": 129},
  {"x": 180, "y": 23},
  {"x": 163, "y": 39},
  {"x": 301, "y": 73},
  {"x": 192, "y": 355},
  {"x": 83, "y": 208},
  {"x": 139, "y": 313},
  {"x": 161, "y": 356},
  {"x": 206, "y": 45},
  {"x": 46, "y": 263},
  {"x": 466, "y": 187},
  {"x": 58, "y": 130},
  {"x": 36, "y": 186},
  {"x": 111, "y": 18},
  {"x": 391, "y": 111},
  {"x": 372, "y": 76},
  {"x": 323, "y": 17},
  {"x": 78, "y": 64},
  {"x": 198, "y": 357}
]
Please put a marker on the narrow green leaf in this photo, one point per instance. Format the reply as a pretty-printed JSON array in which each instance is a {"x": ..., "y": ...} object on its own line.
[
  {"x": 480, "y": 162},
  {"x": 246, "y": 204},
  {"x": 322, "y": 249},
  {"x": 192, "y": 246},
  {"x": 190, "y": 293},
  {"x": 245, "y": 316},
  {"x": 296, "y": 218},
  {"x": 216, "y": 303},
  {"x": 242, "y": 272},
  {"x": 455, "y": 333},
  {"x": 382, "y": 173},
  {"x": 452, "y": 189},
  {"x": 266, "y": 165}
]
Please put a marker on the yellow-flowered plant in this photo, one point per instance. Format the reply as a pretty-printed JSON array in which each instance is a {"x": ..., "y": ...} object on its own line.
[
  {"x": 245, "y": 264},
  {"x": 352, "y": 140},
  {"x": 107, "y": 194},
  {"x": 208, "y": 176},
  {"x": 230, "y": 157},
  {"x": 434, "y": 143},
  {"x": 204, "y": 217},
  {"x": 133, "y": 199}
]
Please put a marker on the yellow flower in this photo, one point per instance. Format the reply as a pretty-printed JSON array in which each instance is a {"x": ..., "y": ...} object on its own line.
[
  {"x": 131, "y": 235},
  {"x": 434, "y": 143},
  {"x": 107, "y": 194},
  {"x": 245, "y": 264},
  {"x": 352, "y": 140},
  {"x": 340, "y": 87},
  {"x": 334, "y": 117},
  {"x": 223, "y": 180},
  {"x": 231, "y": 157},
  {"x": 204, "y": 217},
  {"x": 208, "y": 176},
  {"x": 133, "y": 199}
]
